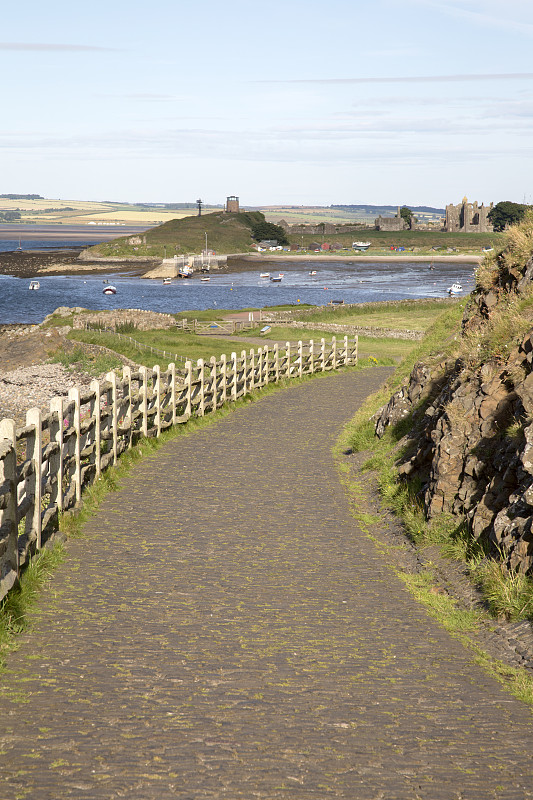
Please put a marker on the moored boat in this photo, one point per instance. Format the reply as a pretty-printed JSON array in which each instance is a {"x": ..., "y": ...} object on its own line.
[
  {"x": 34, "y": 285},
  {"x": 110, "y": 289},
  {"x": 264, "y": 275},
  {"x": 455, "y": 288},
  {"x": 361, "y": 245}
]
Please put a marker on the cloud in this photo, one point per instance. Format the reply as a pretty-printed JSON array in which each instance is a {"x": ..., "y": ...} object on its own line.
[
  {"x": 481, "y": 17},
  {"x": 496, "y": 76},
  {"x": 48, "y": 47}
]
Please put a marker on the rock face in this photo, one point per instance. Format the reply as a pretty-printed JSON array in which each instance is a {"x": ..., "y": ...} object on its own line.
[{"x": 471, "y": 444}]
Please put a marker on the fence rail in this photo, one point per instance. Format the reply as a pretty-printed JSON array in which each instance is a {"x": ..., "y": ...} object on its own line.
[{"x": 47, "y": 464}]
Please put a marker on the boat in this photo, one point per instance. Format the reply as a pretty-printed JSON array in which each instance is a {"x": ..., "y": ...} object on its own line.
[
  {"x": 205, "y": 280},
  {"x": 185, "y": 272},
  {"x": 167, "y": 281},
  {"x": 276, "y": 280},
  {"x": 109, "y": 289},
  {"x": 264, "y": 275},
  {"x": 455, "y": 288},
  {"x": 361, "y": 245},
  {"x": 34, "y": 285},
  {"x": 313, "y": 272}
]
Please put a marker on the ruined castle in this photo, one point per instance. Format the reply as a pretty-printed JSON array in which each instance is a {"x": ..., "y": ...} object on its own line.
[{"x": 468, "y": 217}]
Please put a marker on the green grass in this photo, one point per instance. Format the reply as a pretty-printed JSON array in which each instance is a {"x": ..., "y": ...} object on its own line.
[
  {"x": 403, "y": 315},
  {"x": 79, "y": 360}
]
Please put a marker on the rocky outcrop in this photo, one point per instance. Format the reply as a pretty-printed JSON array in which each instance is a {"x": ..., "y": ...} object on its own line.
[{"x": 470, "y": 442}]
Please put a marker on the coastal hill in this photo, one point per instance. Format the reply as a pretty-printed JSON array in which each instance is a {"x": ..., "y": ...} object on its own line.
[{"x": 223, "y": 233}]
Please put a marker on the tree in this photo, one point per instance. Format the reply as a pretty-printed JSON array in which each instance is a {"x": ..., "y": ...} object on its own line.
[
  {"x": 506, "y": 213},
  {"x": 406, "y": 214},
  {"x": 267, "y": 230}
]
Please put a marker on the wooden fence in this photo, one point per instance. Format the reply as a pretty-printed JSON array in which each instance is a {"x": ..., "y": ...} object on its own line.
[{"x": 46, "y": 465}]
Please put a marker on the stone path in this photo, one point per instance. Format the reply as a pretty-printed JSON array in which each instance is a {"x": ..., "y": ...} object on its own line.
[{"x": 225, "y": 631}]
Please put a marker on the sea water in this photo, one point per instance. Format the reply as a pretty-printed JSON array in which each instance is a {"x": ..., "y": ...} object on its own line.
[{"x": 351, "y": 282}]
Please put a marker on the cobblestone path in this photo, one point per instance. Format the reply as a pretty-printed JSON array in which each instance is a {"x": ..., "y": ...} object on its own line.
[{"x": 225, "y": 631}]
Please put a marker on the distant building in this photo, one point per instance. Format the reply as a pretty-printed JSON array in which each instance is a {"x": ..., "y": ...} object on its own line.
[
  {"x": 396, "y": 223},
  {"x": 232, "y": 204},
  {"x": 468, "y": 217}
]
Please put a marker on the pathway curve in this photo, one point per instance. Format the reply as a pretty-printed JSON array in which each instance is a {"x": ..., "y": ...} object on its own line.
[{"x": 225, "y": 631}]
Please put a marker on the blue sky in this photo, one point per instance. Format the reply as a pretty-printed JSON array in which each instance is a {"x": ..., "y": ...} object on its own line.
[{"x": 416, "y": 102}]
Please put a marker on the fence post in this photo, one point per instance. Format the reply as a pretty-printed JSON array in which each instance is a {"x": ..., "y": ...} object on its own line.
[
  {"x": 234, "y": 373},
  {"x": 244, "y": 373},
  {"x": 156, "y": 374},
  {"x": 126, "y": 394},
  {"x": 144, "y": 401},
  {"x": 74, "y": 397},
  {"x": 266, "y": 365},
  {"x": 56, "y": 462},
  {"x": 112, "y": 378},
  {"x": 223, "y": 370},
  {"x": 276, "y": 362},
  {"x": 323, "y": 355},
  {"x": 213, "y": 361},
  {"x": 8, "y": 516},
  {"x": 345, "y": 351},
  {"x": 188, "y": 384},
  {"x": 356, "y": 342},
  {"x": 251, "y": 383},
  {"x": 334, "y": 352},
  {"x": 312, "y": 356},
  {"x": 97, "y": 413},
  {"x": 172, "y": 381},
  {"x": 288, "y": 354},
  {"x": 300, "y": 358},
  {"x": 201, "y": 377}
]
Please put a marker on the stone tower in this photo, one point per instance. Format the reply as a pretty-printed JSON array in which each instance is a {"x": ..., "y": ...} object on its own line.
[{"x": 232, "y": 204}]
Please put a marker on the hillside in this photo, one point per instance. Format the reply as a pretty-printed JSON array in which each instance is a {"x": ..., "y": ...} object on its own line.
[
  {"x": 226, "y": 233},
  {"x": 468, "y": 451}
]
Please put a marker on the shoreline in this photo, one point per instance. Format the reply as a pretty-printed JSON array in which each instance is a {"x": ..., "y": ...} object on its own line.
[{"x": 467, "y": 258}]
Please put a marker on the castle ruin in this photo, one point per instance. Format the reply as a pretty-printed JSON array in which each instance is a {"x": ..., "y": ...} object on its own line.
[{"x": 468, "y": 218}]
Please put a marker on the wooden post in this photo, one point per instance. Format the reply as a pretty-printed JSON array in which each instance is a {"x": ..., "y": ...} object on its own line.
[
  {"x": 252, "y": 370},
  {"x": 201, "y": 377},
  {"x": 345, "y": 351},
  {"x": 97, "y": 413},
  {"x": 8, "y": 515},
  {"x": 300, "y": 358},
  {"x": 334, "y": 352},
  {"x": 213, "y": 362},
  {"x": 288, "y": 355},
  {"x": 188, "y": 384},
  {"x": 34, "y": 452},
  {"x": 156, "y": 373},
  {"x": 172, "y": 384},
  {"x": 244, "y": 373},
  {"x": 234, "y": 378},
  {"x": 356, "y": 342},
  {"x": 126, "y": 394},
  {"x": 266, "y": 366},
  {"x": 224, "y": 372},
  {"x": 143, "y": 389},
  {"x": 74, "y": 397},
  {"x": 276, "y": 362},
  {"x": 56, "y": 462},
  {"x": 323, "y": 355},
  {"x": 112, "y": 378},
  {"x": 311, "y": 356}
]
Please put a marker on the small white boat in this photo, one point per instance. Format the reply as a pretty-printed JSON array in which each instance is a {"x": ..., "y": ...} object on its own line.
[
  {"x": 109, "y": 289},
  {"x": 167, "y": 281},
  {"x": 455, "y": 288},
  {"x": 34, "y": 285},
  {"x": 205, "y": 280},
  {"x": 313, "y": 272},
  {"x": 264, "y": 275},
  {"x": 361, "y": 245}
]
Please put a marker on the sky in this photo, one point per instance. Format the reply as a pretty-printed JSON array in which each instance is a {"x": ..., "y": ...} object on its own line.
[{"x": 418, "y": 102}]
